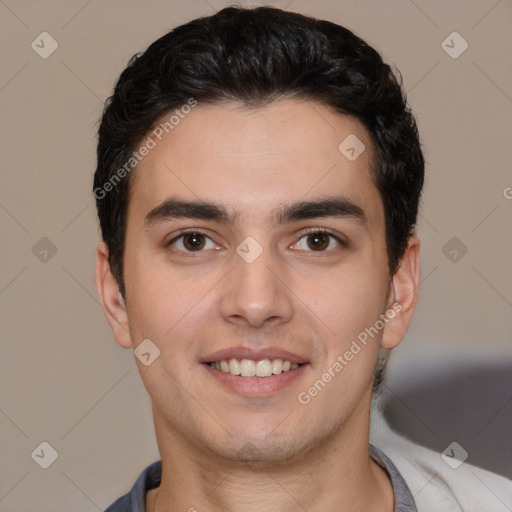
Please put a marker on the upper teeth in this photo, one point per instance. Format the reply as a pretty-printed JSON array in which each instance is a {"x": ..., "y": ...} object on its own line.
[{"x": 250, "y": 368}]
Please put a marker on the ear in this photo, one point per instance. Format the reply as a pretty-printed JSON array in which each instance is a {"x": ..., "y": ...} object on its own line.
[
  {"x": 403, "y": 295},
  {"x": 112, "y": 301}
]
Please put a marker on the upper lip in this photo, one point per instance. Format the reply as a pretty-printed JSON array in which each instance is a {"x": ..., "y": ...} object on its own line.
[{"x": 254, "y": 354}]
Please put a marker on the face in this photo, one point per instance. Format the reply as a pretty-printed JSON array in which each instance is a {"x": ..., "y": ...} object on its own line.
[{"x": 254, "y": 244}]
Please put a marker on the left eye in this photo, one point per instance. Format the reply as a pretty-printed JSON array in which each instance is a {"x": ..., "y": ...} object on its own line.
[{"x": 317, "y": 241}]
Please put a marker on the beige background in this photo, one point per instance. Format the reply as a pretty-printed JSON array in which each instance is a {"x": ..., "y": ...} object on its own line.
[{"x": 64, "y": 380}]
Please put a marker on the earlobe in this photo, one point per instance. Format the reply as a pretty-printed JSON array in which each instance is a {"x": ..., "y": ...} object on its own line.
[
  {"x": 113, "y": 304},
  {"x": 404, "y": 292}
]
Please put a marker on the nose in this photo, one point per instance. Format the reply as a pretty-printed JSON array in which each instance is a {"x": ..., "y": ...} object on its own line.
[{"x": 255, "y": 294}]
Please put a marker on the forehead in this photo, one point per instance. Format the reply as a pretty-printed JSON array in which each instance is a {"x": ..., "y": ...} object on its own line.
[{"x": 255, "y": 159}]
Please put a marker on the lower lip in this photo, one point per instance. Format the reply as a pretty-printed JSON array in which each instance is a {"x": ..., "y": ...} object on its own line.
[{"x": 256, "y": 386}]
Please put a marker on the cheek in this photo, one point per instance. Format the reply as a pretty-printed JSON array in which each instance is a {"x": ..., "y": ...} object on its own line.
[
  {"x": 346, "y": 301},
  {"x": 172, "y": 320},
  {"x": 164, "y": 303},
  {"x": 348, "y": 307},
  {"x": 158, "y": 308}
]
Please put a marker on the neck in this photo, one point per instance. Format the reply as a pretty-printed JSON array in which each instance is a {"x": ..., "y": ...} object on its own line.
[{"x": 336, "y": 474}]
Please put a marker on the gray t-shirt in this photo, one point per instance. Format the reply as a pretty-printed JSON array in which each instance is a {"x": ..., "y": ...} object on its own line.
[{"x": 151, "y": 477}]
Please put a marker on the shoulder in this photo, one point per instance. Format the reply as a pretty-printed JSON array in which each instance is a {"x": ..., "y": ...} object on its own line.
[
  {"x": 120, "y": 505},
  {"x": 434, "y": 484},
  {"x": 134, "y": 501}
]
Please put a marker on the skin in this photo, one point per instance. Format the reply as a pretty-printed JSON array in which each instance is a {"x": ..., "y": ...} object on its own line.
[{"x": 293, "y": 296}]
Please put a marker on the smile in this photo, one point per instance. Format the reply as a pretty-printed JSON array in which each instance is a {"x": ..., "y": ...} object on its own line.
[{"x": 253, "y": 368}]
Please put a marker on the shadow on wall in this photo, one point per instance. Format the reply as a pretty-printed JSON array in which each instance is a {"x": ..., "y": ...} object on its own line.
[{"x": 466, "y": 402}]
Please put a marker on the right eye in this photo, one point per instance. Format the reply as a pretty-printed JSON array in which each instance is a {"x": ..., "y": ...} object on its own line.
[{"x": 192, "y": 241}]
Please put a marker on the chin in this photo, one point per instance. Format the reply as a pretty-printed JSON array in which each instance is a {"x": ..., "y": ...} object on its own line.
[
  {"x": 262, "y": 447},
  {"x": 264, "y": 453}
]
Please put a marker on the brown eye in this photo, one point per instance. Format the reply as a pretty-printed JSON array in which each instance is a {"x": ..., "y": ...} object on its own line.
[
  {"x": 318, "y": 241},
  {"x": 194, "y": 241},
  {"x": 190, "y": 242}
]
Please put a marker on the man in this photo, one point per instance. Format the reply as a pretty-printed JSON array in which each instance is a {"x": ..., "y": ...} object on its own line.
[{"x": 258, "y": 181}]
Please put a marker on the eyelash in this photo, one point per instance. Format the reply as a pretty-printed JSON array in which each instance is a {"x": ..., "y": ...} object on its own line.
[{"x": 309, "y": 231}]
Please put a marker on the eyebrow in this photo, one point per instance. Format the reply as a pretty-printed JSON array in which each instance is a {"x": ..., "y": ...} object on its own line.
[{"x": 336, "y": 206}]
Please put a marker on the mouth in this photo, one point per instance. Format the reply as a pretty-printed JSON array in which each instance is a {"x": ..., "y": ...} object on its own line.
[
  {"x": 261, "y": 368},
  {"x": 254, "y": 372}
]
